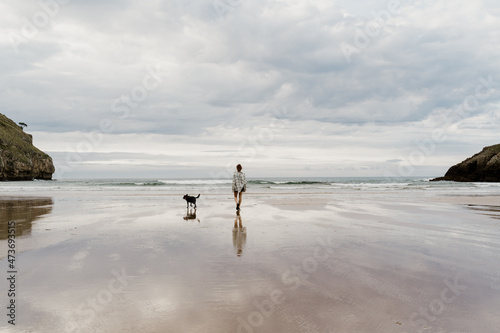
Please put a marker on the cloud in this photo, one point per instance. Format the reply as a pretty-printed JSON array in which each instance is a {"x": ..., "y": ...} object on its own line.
[{"x": 227, "y": 72}]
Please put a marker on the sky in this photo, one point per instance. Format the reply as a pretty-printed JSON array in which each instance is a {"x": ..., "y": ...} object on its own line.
[{"x": 289, "y": 88}]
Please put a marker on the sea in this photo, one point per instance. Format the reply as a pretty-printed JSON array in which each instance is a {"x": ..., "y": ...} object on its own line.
[{"x": 164, "y": 186}]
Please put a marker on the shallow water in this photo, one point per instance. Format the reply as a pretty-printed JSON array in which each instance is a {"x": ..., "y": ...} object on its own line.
[{"x": 130, "y": 262}]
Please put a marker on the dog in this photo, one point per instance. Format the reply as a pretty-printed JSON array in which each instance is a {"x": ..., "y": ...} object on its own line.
[{"x": 190, "y": 200}]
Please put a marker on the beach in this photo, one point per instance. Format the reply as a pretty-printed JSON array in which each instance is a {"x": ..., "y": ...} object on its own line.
[{"x": 310, "y": 256}]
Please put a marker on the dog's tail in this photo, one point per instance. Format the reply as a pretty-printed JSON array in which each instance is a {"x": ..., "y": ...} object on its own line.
[{"x": 198, "y": 196}]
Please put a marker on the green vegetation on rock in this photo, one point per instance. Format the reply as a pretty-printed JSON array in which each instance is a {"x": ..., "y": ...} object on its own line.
[{"x": 19, "y": 159}]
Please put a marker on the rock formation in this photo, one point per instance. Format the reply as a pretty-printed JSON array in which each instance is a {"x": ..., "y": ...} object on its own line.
[
  {"x": 19, "y": 159},
  {"x": 482, "y": 167}
]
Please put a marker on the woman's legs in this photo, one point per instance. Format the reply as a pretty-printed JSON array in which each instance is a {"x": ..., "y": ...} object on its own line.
[{"x": 238, "y": 199}]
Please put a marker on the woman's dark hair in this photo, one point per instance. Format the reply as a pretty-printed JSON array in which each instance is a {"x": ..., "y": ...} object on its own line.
[{"x": 239, "y": 167}]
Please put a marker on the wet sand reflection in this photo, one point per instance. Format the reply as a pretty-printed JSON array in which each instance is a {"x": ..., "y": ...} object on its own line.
[
  {"x": 487, "y": 210},
  {"x": 24, "y": 212},
  {"x": 239, "y": 235},
  {"x": 191, "y": 214}
]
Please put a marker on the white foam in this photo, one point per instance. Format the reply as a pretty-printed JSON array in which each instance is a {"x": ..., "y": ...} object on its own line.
[{"x": 196, "y": 181}]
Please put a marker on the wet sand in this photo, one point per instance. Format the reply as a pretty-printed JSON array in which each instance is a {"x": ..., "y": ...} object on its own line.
[{"x": 368, "y": 262}]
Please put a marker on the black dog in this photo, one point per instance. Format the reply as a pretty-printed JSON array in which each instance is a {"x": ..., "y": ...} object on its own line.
[{"x": 190, "y": 200}]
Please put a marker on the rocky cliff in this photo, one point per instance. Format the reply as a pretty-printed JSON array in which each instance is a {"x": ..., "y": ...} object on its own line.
[
  {"x": 19, "y": 159},
  {"x": 482, "y": 167}
]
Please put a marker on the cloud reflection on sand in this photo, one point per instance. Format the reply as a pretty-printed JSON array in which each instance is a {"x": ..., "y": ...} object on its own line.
[{"x": 376, "y": 253}]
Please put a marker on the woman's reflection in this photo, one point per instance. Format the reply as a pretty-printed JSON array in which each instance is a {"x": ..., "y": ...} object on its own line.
[{"x": 239, "y": 235}]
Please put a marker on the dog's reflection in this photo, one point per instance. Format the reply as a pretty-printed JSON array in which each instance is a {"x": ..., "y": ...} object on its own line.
[
  {"x": 239, "y": 235},
  {"x": 191, "y": 214}
]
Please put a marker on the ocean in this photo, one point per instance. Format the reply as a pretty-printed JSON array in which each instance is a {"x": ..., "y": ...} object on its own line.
[{"x": 161, "y": 186}]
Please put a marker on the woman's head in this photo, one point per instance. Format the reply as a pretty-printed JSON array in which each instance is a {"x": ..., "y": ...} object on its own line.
[{"x": 239, "y": 167}]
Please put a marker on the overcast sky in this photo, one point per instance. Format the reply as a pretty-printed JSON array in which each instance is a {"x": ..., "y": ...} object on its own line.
[{"x": 189, "y": 88}]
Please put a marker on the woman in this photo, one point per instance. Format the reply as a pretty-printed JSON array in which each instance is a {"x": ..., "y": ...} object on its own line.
[{"x": 239, "y": 185}]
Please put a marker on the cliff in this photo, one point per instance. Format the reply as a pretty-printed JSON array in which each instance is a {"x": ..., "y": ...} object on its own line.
[
  {"x": 482, "y": 167},
  {"x": 19, "y": 159}
]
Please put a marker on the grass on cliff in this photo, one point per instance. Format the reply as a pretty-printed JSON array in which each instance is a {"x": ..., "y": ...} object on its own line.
[
  {"x": 494, "y": 149},
  {"x": 15, "y": 142}
]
